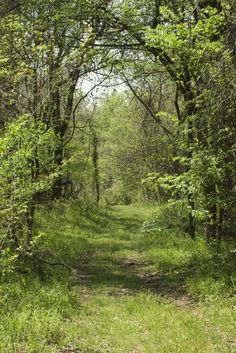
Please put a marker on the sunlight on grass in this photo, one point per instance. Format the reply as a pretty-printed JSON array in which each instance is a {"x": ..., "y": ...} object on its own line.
[{"x": 119, "y": 290}]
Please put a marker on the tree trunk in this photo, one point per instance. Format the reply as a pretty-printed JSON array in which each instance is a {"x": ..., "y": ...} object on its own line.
[
  {"x": 58, "y": 158},
  {"x": 95, "y": 158},
  {"x": 191, "y": 218},
  {"x": 211, "y": 225}
]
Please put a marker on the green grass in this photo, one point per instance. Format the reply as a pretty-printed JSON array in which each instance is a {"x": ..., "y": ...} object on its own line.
[{"x": 123, "y": 289}]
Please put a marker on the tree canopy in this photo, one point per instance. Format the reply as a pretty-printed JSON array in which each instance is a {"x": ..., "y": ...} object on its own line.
[{"x": 167, "y": 132}]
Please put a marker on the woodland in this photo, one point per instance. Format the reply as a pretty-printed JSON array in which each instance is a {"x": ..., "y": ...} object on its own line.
[{"x": 118, "y": 176}]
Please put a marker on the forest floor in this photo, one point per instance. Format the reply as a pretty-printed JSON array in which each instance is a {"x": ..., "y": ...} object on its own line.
[{"x": 119, "y": 293}]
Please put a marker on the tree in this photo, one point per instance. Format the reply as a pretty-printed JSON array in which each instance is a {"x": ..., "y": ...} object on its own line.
[
  {"x": 183, "y": 37},
  {"x": 46, "y": 47}
]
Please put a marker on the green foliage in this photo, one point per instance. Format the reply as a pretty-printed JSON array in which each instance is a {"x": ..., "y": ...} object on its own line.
[
  {"x": 131, "y": 145},
  {"x": 171, "y": 217},
  {"x": 173, "y": 127},
  {"x": 191, "y": 45},
  {"x": 25, "y": 173},
  {"x": 120, "y": 172},
  {"x": 204, "y": 271}
]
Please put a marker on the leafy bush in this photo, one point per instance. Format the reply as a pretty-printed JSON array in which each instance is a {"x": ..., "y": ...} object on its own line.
[
  {"x": 26, "y": 171},
  {"x": 170, "y": 217},
  {"x": 118, "y": 194}
]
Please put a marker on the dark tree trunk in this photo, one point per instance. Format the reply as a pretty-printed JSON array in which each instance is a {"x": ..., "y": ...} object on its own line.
[
  {"x": 58, "y": 158},
  {"x": 30, "y": 218},
  {"x": 191, "y": 218},
  {"x": 211, "y": 225},
  {"x": 95, "y": 158},
  {"x": 190, "y": 111}
]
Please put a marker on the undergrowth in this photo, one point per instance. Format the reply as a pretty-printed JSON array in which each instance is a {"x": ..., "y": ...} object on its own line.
[
  {"x": 208, "y": 272},
  {"x": 110, "y": 280}
]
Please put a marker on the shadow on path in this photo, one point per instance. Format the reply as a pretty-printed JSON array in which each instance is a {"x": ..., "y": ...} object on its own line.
[{"x": 104, "y": 269}]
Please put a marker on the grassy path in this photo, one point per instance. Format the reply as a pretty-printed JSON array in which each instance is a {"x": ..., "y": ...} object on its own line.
[
  {"x": 127, "y": 305},
  {"x": 115, "y": 300}
]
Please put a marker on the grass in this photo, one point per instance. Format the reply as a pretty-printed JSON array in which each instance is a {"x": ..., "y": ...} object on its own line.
[{"x": 124, "y": 289}]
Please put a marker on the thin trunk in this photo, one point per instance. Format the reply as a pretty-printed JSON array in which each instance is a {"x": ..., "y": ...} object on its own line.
[
  {"x": 95, "y": 158},
  {"x": 219, "y": 229},
  {"x": 30, "y": 218},
  {"x": 190, "y": 140},
  {"x": 191, "y": 218},
  {"x": 58, "y": 158},
  {"x": 211, "y": 224}
]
